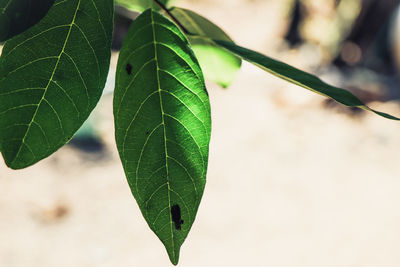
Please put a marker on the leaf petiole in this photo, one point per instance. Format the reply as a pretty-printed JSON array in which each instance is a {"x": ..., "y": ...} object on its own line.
[{"x": 166, "y": 10}]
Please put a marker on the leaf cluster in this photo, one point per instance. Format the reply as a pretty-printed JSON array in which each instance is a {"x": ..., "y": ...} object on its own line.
[{"x": 53, "y": 69}]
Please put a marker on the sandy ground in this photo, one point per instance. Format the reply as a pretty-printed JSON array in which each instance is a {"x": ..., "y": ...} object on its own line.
[{"x": 289, "y": 182}]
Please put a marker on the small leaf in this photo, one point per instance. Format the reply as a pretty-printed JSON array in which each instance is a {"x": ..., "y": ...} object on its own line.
[
  {"x": 140, "y": 5},
  {"x": 16, "y": 16},
  {"x": 162, "y": 126},
  {"x": 217, "y": 64},
  {"x": 51, "y": 78},
  {"x": 299, "y": 77}
]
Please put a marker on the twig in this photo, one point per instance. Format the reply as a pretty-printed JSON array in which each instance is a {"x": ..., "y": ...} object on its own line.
[{"x": 161, "y": 5}]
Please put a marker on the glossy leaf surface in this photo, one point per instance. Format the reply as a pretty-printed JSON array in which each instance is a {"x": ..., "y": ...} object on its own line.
[
  {"x": 217, "y": 64},
  {"x": 299, "y": 77},
  {"x": 162, "y": 126},
  {"x": 51, "y": 78},
  {"x": 18, "y": 15}
]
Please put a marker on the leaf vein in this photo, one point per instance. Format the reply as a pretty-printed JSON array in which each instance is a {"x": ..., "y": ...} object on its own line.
[
  {"x": 94, "y": 53},
  {"x": 165, "y": 136},
  {"x": 69, "y": 97},
  {"x": 18, "y": 107},
  {"x": 187, "y": 172},
  {"x": 141, "y": 153},
  {"x": 131, "y": 82},
  {"x": 31, "y": 62},
  {"x": 57, "y": 115},
  {"x": 43, "y": 133},
  {"x": 22, "y": 90},
  {"x": 36, "y": 35},
  {"x": 133, "y": 119},
  {"x": 177, "y": 98}
]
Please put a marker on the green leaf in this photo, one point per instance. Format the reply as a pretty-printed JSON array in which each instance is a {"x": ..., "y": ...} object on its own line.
[
  {"x": 140, "y": 5},
  {"x": 18, "y": 15},
  {"x": 217, "y": 64},
  {"x": 51, "y": 78},
  {"x": 162, "y": 126},
  {"x": 299, "y": 77}
]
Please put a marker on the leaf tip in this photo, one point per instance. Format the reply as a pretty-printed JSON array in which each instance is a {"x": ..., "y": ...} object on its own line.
[
  {"x": 175, "y": 263},
  {"x": 174, "y": 258},
  {"x": 173, "y": 253},
  {"x": 15, "y": 165},
  {"x": 15, "y": 160}
]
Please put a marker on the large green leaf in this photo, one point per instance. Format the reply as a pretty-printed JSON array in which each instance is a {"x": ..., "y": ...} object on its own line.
[
  {"x": 140, "y": 5},
  {"x": 51, "y": 78},
  {"x": 162, "y": 126},
  {"x": 299, "y": 77},
  {"x": 18, "y": 15},
  {"x": 217, "y": 64}
]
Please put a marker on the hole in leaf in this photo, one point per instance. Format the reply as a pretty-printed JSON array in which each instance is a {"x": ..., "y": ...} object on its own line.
[{"x": 176, "y": 216}]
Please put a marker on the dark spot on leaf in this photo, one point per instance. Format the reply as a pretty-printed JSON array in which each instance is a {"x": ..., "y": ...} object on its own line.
[
  {"x": 128, "y": 69},
  {"x": 147, "y": 132},
  {"x": 176, "y": 216}
]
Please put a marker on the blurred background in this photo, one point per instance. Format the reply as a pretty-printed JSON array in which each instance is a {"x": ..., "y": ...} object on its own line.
[{"x": 294, "y": 179}]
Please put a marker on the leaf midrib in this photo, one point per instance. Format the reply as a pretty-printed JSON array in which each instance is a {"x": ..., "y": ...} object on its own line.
[
  {"x": 48, "y": 84},
  {"x": 165, "y": 135}
]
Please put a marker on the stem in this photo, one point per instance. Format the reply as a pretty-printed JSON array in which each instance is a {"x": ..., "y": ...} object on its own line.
[{"x": 161, "y": 5}]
